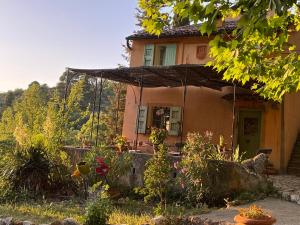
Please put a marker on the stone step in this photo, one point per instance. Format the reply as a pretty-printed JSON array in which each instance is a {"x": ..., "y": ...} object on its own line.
[
  {"x": 296, "y": 149},
  {"x": 294, "y": 165},
  {"x": 296, "y": 161},
  {"x": 293, "y": 171},
  {"x": 296, "y": 152},
  {"x": 295, "y": 156}
]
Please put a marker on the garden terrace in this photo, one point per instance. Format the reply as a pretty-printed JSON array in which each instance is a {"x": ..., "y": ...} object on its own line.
[{"x": 164, "y": 76}]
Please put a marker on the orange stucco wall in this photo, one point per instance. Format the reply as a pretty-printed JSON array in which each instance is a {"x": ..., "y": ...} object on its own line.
[
  {"x": 186, "y": 50},
  {"x": 206, "y": 110},
  {"x": 291, "y": 123},
  {"x": 271, "y": 132}
]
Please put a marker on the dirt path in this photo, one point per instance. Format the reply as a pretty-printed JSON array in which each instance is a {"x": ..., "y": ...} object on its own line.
[{"x": 285, "y": 212}]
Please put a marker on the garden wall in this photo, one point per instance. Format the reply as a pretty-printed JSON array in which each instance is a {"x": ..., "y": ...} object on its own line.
[{"x": 136, "y": 175}]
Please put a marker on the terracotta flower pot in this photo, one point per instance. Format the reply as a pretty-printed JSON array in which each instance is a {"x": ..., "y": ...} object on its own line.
[{"x": 240, "y": 220}]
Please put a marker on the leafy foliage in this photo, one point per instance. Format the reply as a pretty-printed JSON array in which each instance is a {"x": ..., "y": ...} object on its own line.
[
  {"x": 98, "y": 211},
  {"x": 237, "y": 156},
  {"x": 111, "y": 116},
  {"x": 119, "y": 164},
  {"x": 157, "y": 136},
  {"x": 33, "y": 172},
  {"x": 41, "y": 118},
  {"x": 259, "y": 50},
  {"x": 157, "y": 177},
  {"x": 195, "y": 167}
]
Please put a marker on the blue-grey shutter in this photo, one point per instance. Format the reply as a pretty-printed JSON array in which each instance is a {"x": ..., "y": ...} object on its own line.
[
  {"x": 148, "y": 55},
  {"x": 175, "y": 121},
  {"x": 170, "y": 57},
  {"x": 141, "y": 121}
]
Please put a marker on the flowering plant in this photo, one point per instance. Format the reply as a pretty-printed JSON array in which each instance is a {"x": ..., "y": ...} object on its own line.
[
  {"x": 253, "y": 212},
  {"x": 102, "y": 168}
]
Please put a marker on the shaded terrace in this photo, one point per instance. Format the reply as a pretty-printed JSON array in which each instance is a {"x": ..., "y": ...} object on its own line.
[{"x": 163, "y": 76}]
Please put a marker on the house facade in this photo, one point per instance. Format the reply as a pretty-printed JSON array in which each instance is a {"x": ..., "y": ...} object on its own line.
[{"x": 242, "y": 117}]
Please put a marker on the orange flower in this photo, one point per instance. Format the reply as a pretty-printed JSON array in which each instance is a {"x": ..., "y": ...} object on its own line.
[{"x": 76, "y": 173}]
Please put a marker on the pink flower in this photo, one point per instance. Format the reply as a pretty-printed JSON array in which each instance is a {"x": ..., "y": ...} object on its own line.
[{"x": 176, "y": 165}]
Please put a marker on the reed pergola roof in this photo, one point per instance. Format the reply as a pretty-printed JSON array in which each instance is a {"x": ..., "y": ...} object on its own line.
[{"x": 160, "y": 76}]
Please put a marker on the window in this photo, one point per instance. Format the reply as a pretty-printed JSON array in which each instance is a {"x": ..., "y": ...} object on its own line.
[
  {"x": 164, "y": 117},
  {"x": 141, "y": 121},
  {"x": 161, "y": 117},
  {"x": 160, "y": 55}
]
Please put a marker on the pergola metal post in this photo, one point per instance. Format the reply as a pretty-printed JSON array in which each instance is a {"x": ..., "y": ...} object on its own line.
[
  {"x": 183, "y": 108},
  {"x": 139, "y": 112},
  {"x": 94, "y": 107},
  {"x": 66, "y": 88},
  {"x": 99, "y": 108},
  {"x": 233, "y": 117},
  {"x": 118, "y": 108}
]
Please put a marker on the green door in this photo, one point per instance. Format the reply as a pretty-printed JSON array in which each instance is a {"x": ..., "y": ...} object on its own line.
[{"x": 249, "y": 130}]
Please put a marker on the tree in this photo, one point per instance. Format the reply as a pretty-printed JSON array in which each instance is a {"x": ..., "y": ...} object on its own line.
[
  {"x": 7, "y": 125},
  {"x": 257, "y": 51},
  {"x": 111, "y": 116},
  {"x": 30, "y": 113},
  {"x": 7, "y": 98},
  {"x": 54, "y": 128}
]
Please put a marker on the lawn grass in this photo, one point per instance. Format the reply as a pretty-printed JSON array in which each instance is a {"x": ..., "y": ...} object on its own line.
[
  {"x": 43, "y": 212},
  {"x": 131, "y": 212}
]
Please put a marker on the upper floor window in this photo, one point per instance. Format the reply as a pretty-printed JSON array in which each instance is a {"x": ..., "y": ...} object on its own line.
[{"x": 160, "y": 55}]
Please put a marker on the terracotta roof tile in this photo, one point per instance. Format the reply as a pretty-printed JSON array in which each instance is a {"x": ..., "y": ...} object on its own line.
[{"x": 183, "y": 31}]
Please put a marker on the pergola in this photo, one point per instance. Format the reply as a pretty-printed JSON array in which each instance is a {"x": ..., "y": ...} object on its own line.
[{"x": 157, "y": 76}]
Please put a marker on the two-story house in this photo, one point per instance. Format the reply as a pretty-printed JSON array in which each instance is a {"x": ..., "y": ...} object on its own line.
[{"x": 169, "y": 87}]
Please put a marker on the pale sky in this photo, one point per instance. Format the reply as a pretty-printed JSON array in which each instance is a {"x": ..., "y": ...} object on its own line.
[{"x": 40, "y": 38}]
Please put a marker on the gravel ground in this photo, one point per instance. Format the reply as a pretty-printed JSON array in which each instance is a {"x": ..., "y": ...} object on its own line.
[{"x": 285, "y": 212}]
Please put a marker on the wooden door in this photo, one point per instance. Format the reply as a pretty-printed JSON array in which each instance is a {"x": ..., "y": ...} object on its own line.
[{"x": 249, "y": 132}]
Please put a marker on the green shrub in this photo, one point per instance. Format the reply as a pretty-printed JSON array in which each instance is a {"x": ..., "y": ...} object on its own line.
[
  {"x": 32, "y": 172},
  {"x": 98, "y": 210},
  {"x": 195, "y": 168},
  {"x": 157, "y": 178},
  {"x": 119, "y": 164},
  {"x": 157, "y": 137},
  {"x": 237, "y": 156}
]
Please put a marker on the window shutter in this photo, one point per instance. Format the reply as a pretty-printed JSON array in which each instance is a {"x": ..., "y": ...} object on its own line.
[
  {"x": 175, "y": 121},
  {"x": 142, "y": 119},
  {"x": 170, "y": 58},
  {"x": 148, "y": 55}
]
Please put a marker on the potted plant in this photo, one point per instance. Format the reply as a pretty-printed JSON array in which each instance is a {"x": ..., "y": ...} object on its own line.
[
  {"x": 121, "y": 143},
  {"x": 157, "y": 137},
  {"x": 253, "y": 215}
]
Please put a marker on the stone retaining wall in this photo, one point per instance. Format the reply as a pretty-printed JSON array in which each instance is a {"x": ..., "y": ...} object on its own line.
[{"x": 135, "y": 176}]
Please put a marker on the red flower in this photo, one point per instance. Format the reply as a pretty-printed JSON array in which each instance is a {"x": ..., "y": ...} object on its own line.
[
  {"x": 103, "y": 168},
  {"x": 100, "y": 161}
]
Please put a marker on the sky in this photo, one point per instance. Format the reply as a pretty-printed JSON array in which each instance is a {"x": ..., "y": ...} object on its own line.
[{"x": 40, "y": 38}]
